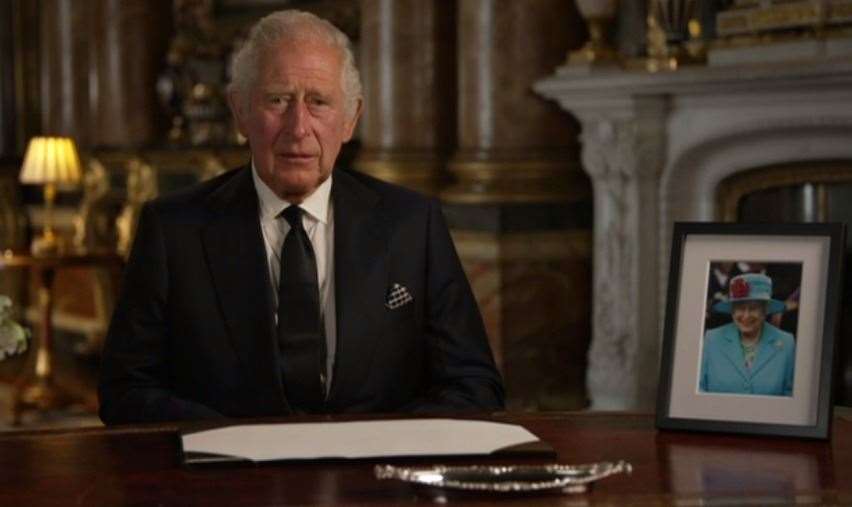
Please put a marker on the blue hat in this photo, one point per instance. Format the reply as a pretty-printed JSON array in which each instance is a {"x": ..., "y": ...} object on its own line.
[{"x": 750, "y": 287}]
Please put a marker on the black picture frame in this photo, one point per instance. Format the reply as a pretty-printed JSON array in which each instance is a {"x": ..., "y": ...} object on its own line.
[{"x": 683, "y": 402}]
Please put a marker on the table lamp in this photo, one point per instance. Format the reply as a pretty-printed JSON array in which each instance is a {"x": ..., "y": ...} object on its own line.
[{"x": 50, "y": 161}]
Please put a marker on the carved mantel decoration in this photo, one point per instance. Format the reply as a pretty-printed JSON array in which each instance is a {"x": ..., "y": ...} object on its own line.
[
  {"x": 657, "y": 146},
  {"x": 622, "y": 154}
]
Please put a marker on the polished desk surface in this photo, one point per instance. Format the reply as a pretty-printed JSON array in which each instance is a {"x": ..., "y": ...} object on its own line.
[{"x": 140, "y": 465}]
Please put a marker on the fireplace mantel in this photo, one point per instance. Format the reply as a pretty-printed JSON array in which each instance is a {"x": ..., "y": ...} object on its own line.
[{"x": 656, "y": 146}]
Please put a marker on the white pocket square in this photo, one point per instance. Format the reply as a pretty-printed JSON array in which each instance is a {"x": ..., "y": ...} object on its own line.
[{"x": 398, "y": 296}]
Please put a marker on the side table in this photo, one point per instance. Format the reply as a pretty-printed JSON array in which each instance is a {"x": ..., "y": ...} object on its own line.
[{"x": 37, "y": 389}]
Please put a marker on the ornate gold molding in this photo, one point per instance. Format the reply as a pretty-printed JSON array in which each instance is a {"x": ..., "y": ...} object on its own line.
[
  {"x": 141, "y": 187},
  {"x": 516, "y": 181},
  {"x": 94, "y": 222},
  {"x": 417, "y": 171},
  {"x": 792, "y": 14}
]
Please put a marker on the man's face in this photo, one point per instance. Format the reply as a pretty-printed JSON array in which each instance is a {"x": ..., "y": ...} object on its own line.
[{"x": 294, "y": 116}]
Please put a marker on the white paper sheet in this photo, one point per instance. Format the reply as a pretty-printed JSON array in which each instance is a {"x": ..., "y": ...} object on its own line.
[{"x": 362, "y": 439}]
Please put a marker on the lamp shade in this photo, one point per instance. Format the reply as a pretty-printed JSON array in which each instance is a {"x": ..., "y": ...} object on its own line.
[{"x": 51, "y": 160}]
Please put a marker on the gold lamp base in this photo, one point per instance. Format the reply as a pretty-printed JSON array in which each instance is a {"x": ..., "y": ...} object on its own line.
[
  {"x": 46, "y": 245},
  {"x": 590, "y": 55},
  {"x": 597, "y": 52}
]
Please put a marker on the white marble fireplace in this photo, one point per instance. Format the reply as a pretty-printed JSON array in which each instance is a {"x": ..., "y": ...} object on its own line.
[{"x": 656, "y": 146}]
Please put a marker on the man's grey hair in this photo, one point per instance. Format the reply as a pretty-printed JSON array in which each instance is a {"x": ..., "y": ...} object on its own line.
[{"x": 293, "y": 25}]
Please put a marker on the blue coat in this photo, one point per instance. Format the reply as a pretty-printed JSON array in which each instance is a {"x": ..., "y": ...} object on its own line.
[{"x": 723, "y": 365}]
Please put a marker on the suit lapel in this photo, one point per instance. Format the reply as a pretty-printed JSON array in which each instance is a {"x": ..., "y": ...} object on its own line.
[
  {"x": 361, "y": 279},
  {"x": 235, "y": 253}
]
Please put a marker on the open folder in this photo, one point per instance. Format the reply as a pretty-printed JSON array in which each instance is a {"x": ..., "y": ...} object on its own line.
[{"x": 359, "y": 440}]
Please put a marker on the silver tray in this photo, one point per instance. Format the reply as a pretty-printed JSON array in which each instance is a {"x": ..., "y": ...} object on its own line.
[{"x": 506, "y": 479}]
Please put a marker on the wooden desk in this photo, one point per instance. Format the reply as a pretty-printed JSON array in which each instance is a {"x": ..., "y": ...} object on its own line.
[{"x": 141, "y": 466}]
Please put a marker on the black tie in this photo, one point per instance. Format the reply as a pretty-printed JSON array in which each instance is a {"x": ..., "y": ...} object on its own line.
[{"x": 300, "y": 335}]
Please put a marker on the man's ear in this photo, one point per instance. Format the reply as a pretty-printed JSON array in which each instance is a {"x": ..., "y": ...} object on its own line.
[
  {"x": 349, "y": 128},
  {"x": 238, "y": 106}
]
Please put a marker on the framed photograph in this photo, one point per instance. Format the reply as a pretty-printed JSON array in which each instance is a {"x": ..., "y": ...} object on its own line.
[{"x": 749, "y": 338}]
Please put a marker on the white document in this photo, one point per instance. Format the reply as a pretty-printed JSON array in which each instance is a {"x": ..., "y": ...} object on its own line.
[{"x": 361, "y": 439}]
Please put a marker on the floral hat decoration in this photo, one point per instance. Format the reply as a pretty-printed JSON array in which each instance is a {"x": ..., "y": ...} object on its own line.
[{"x": 750, "y": 287}]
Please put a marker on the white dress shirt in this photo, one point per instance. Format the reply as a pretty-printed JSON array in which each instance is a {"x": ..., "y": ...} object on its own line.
[{"x": 318, "y": 220}]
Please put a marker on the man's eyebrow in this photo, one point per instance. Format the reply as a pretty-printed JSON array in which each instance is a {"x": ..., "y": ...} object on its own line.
[{"x": 276, "y": 89}]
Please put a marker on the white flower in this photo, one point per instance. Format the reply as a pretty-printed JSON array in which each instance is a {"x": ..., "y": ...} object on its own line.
[
  {"x": 13, "y": 337},
  {"x": 5, "y": 306}
]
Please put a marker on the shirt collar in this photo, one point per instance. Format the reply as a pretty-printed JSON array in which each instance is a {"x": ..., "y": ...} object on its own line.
[{"x": 315, "y": 205}]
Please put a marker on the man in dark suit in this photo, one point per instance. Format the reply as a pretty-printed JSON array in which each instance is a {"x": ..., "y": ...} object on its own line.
[{"x": 354, "y": 301}]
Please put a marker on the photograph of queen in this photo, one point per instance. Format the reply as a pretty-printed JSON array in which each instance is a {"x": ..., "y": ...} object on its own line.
[{"x": 748, "y": 355}]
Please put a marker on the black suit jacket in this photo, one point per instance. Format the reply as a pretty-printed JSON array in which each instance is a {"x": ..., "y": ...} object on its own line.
[{"x": 193, "y": 333}]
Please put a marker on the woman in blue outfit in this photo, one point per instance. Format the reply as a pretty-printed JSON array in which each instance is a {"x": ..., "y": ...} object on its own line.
[{"x": 748, "y": 355}]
